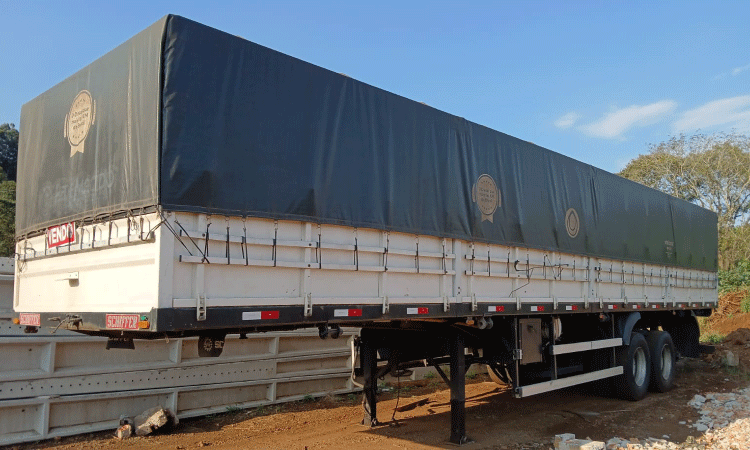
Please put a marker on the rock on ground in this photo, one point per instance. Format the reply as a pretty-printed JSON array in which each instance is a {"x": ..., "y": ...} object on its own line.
[{"x": 150, "y": 420}]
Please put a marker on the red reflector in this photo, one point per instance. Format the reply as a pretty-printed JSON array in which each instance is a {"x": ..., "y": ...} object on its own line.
[
  {"x": 423, "y": 311},
  {"x": 355, "y": 313},
  {"x": 540, "y": 308},
  {"x": 575, "y": 308},
  {"x": 269, "y": 314}
]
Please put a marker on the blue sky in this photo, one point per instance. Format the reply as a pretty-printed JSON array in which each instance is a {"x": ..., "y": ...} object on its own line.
[{"x": 596, "y": 81}]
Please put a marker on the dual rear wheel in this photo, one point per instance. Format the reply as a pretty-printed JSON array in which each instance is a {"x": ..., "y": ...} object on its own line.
[{"x": 648, "y": 362}]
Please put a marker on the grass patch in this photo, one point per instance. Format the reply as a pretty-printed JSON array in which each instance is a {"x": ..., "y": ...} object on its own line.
[
  {"x": 745, "y": 305},
  {"x": 708, "y": 334},
  {"x": 713, "y": 338}
]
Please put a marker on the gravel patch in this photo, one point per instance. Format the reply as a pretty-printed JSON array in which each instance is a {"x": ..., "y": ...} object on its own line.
[{"x": 724, "y": 425}]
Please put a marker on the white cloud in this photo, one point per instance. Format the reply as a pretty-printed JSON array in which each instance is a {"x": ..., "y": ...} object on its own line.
[
  {"x": 617, "y": 122},
  {"x": 738, "y": 70},
  {"x": 568, "y": 120},
  {"x": 734, "y": 72},
  {"x": 731, "y": 112}
]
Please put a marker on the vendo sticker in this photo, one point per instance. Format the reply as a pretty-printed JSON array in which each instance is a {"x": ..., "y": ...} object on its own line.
[
  {"x": 61, "y": 235},
  {"x": 123, "y": 321},
  {"x": 28, "y": 319}
]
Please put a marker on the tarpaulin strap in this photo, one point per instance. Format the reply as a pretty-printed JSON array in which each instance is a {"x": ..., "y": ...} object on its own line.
[
  {"x": 227, "y": 221},
  {"x": 191, "y": 240},
  {"x": 80, "y": 241},
  {"x": 109, "y": 236},
  {"x": 205, "y": 246},
  {"x": 275, "y": 238},
  {"x": 445, "y": 267},
  {"x": 319, "y": 250},
  {"x": 175, "y": 234},
  {"x": 244, "y": 239},
  {"x": 489, "y": 262},
  {"x": 385, "y": 253},
  {"x": 129, "y": 215},
  {"x": 471, "y": 261},
  {"x": 356, "y": 250},
  {"x": 416, "y": 258}
]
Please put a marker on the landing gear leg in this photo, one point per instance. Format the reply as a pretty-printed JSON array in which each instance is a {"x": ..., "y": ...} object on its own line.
[
  {"x": 369, "y": 359},
  {"x": 458, "y": 390}
]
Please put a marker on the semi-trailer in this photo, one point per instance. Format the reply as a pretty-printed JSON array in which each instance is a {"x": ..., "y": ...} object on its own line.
[{"x": 193, "y": 183}]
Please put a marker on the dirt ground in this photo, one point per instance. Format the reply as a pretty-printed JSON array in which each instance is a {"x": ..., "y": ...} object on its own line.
[{"x": 495, "y": 420}]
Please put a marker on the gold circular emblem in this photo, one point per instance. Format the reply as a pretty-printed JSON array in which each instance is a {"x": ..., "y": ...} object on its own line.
[
  {"x": 572, "y": 224},
  {"x": 79, "y": 120},
  {"x": 487, "y": 196}
]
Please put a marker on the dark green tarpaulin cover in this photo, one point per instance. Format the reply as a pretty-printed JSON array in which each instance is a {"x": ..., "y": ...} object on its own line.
[{"x": 194, "y": 119}]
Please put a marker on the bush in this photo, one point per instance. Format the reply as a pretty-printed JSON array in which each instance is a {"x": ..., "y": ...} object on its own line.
[
  {"x": 745, "y": 305},
  {"x": 735, "y": 277}
]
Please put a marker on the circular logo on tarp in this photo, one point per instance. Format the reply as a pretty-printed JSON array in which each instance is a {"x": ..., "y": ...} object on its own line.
[
  {"x": 486, "y": 195},
  {"x": 78, "y": 122},
  {"x": 572, "y": 224}
]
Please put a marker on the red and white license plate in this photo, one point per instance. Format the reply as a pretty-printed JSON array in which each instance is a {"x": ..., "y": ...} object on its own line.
[
  {"x": 33, "y": 320},
  {"x": 123, "y": 321},
  {"x": 61, "y": 235}
]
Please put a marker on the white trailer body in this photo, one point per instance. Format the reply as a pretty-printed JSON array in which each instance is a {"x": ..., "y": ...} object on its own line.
[{"x": 159, "y": 273}]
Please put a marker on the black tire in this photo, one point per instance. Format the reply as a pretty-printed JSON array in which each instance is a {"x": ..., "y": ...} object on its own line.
[
  {"x": 662, "y": 361},
  {"x": 635, "y": 360}
]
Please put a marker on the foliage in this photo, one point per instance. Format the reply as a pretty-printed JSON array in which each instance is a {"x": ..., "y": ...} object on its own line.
[
  {"x": 734, "y": 244},
  {"x": 736, "y": 277},
  {"x": 712, "y": 171},
  {"x": 7, "y": 217},
  {"x": 9, "y": 150},
  {"x": 745, "y": 305},
  {"x": 713, "y": 338}
]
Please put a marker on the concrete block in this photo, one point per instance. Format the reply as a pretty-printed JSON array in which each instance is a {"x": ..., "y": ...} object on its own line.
[{"x": 150, "y": 420}]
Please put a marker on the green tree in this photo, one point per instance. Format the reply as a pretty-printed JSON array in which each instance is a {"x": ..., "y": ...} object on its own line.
[
  {"x": 7, "y": 217},
  {"x": 712, "y": 171},
  {"x": 9, "y": 150}
]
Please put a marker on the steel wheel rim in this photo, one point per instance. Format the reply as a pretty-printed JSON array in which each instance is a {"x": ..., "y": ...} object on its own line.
[
  {"x": 666, "y": 362},
  {"x": 639, "y": 366}
]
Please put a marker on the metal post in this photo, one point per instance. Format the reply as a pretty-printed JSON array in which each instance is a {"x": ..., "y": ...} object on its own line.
[
  {"x": 369, "y": 361},
  {"x": 515, "y": 367},
  {"x": 458, "y": 389}
]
